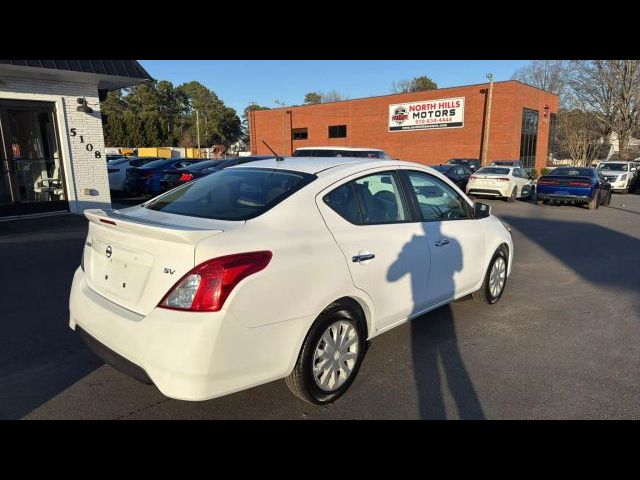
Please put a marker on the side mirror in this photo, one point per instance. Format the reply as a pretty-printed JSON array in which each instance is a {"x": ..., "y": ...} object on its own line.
[{"x": 481, "y": 210}]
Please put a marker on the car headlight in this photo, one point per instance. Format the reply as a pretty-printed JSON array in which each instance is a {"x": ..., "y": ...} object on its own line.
[{"x": 623, "y": 177}]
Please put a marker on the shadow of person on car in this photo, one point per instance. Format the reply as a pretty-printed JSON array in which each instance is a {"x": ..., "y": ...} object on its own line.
[{"x": 433, "y": 335}]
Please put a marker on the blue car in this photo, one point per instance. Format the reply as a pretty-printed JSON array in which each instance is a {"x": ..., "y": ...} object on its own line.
[
  {"x": 579, "y": 185},
  {"x": 145, "y": 180}
]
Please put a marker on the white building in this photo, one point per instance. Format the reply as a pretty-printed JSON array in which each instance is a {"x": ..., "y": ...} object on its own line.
[{"x": 52, "y": 154}]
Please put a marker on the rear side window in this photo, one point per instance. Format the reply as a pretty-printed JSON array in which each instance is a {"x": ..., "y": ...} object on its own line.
[
  {"x": 232, "y": 194},
  {"x": 370, "y": 200}
]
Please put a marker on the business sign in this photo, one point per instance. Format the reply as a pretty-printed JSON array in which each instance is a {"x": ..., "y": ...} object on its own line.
[{"x": 442, "y": 113}]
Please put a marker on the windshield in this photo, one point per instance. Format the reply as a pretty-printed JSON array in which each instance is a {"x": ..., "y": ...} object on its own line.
[
  {"x": 493, "y": 171},
  {"x": 232, "y": 194},
  {"x": 444, "y": 168},
  {"x": 157, "y": 163},
  {"x": 572, "y": 172},
  {"x": 617, "y": 167}
]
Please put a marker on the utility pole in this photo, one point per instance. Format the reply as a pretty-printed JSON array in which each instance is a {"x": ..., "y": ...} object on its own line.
[
  {"x": 487, "y": 121},
  {"x": 198, "y": 129},
  {"x": 284, "y": 143}
]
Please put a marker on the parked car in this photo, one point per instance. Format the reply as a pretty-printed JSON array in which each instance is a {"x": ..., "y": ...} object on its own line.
[
  {"x": 117, "y": 170},
  {"x": 340, "y": 152},
  {"x": 458, "y": 174},
  {"x": 279, "y": 269},
  {"x": 619, "y": 174},
  {"x": 472, "y": 164},
  {"x": 580, "y": 185},
  {"x": 145, "y": 180},
  {"x": 111, "y": 157},
  {"x": 507, "y": 163},
  {"x": 173, "y": 178},
  {"x": 505, "y": 182}
]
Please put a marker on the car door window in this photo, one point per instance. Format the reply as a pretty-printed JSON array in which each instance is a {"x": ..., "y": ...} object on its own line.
[
  {"x": 373, "y": 199},
  {"x": 436, "y": 200}
]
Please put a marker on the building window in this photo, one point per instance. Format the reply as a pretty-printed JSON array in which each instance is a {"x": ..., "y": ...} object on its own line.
[
  {"x": 337, "y": 131},
  {"x": 529, "y": 137},
  {"x": 299, "y": 134},
  {"x": 552, "y": 148}
]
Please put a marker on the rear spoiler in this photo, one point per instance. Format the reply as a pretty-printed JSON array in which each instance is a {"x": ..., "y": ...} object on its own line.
[{"x": 174, "y": 233}]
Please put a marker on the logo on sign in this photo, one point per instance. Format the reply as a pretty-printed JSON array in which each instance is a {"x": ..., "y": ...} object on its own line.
[{"x": 400, "y": 115}]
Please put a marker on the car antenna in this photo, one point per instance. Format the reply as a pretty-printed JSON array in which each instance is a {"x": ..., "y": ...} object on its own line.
[{"x": 278, "y": 157}]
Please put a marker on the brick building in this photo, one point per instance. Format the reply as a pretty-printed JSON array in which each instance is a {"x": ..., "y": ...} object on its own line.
[
  {"x": 52, "y": 156},
  {"x": 426, "y": 127}
]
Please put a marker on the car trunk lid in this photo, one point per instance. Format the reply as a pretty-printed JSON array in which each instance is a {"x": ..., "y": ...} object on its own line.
[{"x": 133, "y": 257}]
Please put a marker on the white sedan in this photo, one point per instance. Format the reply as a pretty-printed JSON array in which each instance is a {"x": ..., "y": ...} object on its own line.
[
  {"x": 279, "y": 269},
  {"x": 501, "y": 181}
]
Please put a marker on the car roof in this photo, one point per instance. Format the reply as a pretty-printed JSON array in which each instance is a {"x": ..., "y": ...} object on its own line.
[
  {"x": 347, "y": 149},
  {"x": 313, "y": 165}
]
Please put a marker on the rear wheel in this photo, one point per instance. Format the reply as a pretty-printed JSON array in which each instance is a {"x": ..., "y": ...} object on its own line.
[
  {"x": 494, "y": 280},
  {"x": 513, "y": 196},
  {"x": 330, "y": 357},
  {"x": 594, "y": 202}
]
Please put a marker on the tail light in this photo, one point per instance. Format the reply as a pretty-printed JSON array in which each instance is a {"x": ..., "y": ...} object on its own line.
[
  {"x": 502, "y": 179},
  {"x": 207, "y": 286},
  {"x": 472, "y": 177},
  {"x": 548, "y": 182},
  {"x": 579, "y": 184},
  {"x": 185, "y": 177},
  {"x": 146, "y": 174}
]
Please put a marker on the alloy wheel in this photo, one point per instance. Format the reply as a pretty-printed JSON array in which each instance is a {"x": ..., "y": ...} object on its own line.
[{"x": 497, "y": 277}]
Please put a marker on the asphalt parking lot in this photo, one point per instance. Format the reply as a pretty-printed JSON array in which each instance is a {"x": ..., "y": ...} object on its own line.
[{"x": 563, "y": 343}]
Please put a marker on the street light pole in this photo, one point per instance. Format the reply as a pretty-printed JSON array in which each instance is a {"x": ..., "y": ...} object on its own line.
[
  {"x": 198, "y": 129},
  {"x": 487, "y": 121},
  {"x": 284, "y": 143}
]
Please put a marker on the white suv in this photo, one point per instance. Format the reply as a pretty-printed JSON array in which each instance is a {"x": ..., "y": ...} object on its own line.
[{"x": 619, "y": 174}]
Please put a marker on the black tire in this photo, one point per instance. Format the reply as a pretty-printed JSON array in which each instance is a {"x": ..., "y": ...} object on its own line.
[
  {"x": 483, "y": 294},
  {"x": 300, "y": 381},
  {"x": 607, "y": 200},
  {"x": 513, "y": 196},
  {"x": 595, "y": 202}
]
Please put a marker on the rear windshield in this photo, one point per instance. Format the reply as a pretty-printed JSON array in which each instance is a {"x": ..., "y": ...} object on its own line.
[
  {"x": 232, "y": 194},
  {"x": 341, "y": 153},
  {"x": 508, "y": 163},
  {"x": 156, "y": 163},
  {"x": 572, "y": 172},
  {"x": 617, "y": 167},
  {"x": 494, "y": 171}
]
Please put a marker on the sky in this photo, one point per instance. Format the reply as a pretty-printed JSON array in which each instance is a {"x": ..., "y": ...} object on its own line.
[{"x": 241, "y": 82}]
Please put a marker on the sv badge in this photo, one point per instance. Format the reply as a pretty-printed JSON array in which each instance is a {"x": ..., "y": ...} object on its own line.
[{"x": 169, "y": 271}]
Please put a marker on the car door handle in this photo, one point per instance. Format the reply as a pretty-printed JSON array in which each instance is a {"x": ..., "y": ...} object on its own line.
[
  {"x": 441, "y": 242},
  {"x": 362, "y": 257}
]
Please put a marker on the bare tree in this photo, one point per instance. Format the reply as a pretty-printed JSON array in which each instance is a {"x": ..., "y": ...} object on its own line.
[
  {"x": 332, "y": 96},
  {"x": 549, "y": 75},
  {"x": 416, "y": 84},
  {"x": 610, "y": 90},
  {"x": 579, "y": 134}
]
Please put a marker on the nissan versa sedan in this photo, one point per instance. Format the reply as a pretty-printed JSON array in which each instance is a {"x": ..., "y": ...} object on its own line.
[{"x": 281, "y": 268}]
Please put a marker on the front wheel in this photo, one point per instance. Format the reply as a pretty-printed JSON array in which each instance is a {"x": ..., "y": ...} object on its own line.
[
  {"x": 330, "y": 357},
  {"x": 494, "y": 280}
]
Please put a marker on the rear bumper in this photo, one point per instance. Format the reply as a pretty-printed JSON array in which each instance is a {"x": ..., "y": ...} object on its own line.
[
  {"x": 492, "y": 192},
  {"x": 187, "y": 355},
  {"x": 572, "y": 198}
]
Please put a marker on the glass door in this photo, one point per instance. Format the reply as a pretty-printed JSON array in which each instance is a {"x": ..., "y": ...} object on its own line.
[{"x": 32, "y": 178}]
